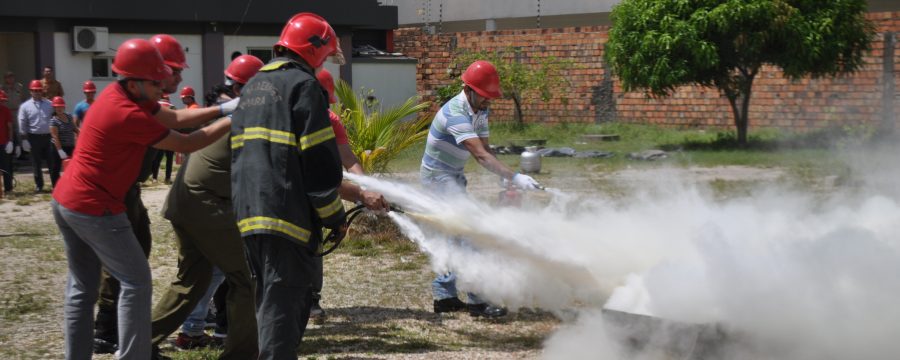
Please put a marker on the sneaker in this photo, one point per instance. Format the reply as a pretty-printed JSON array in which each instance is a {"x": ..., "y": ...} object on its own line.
[
  {"x": 103, "y": 346},
  {"x": 487, "y": 311},
  {"x": 187, "y": 342},
  {"x": 210, "y": 320},
  {"x": 218, "y": 340},
  {"x": 316, "y": 313},
  {"x": 449, "y": 305}
]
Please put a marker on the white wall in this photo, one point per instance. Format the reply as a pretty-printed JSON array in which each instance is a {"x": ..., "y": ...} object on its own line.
[
  {"x": 392, "y": 83},
  {"x": 419, "y": 11},
  {"x": 241, "y": 43},
  {"x": 73, "y": 68}
]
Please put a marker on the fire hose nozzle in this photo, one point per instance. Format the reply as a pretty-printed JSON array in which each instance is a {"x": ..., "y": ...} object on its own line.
[{"x": 397, "y": 208}]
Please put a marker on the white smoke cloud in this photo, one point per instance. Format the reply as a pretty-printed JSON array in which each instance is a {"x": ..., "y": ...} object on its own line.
[{"x": 782, "y": 275}]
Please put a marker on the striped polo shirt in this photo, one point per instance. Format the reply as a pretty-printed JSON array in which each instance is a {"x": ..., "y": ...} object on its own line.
[
  {"x": 65, "y": 130},
  {"x": 455, "y": 123}
]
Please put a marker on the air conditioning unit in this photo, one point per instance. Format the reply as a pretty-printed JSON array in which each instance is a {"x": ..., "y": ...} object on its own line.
[{"x": 90, "y": 38}]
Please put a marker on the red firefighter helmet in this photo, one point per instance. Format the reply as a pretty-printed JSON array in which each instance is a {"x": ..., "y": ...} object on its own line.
[
  {"x": 482, "y": 77},
  {"x": 139, "y": 59},
  {"x": 327, "y": 81},
  {"x": 187, "y": 91},
  {"x": 243, "y": 67},
  {"x": 58, "y": 101},
  {"x": 3, "y": 96},
  {"x": 309, "y": 36},
  {"x": 89, "y": 87},
  {"x": 170, "y": 50},
  {"x": 35, "y": 85}
]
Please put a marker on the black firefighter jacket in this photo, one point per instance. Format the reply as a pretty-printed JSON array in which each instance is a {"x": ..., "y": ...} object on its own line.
[{"x": 285, "y": 164}]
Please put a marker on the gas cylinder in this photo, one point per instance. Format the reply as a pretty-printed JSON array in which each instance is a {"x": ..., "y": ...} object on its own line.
[{"x": 530, "y": 160}]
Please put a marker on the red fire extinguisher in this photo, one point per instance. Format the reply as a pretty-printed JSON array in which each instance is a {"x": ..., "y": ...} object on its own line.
[
  {"x": 65, "y": 164},
  {"x": 512, "y": 196}
]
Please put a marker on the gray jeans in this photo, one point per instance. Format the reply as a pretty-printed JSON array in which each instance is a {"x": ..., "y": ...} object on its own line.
[{"x": 92, "y": 242}]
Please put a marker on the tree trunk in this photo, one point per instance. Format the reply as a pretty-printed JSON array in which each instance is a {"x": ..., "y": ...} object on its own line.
[
  {"x": 740, "y": 106},
  {"x": 520, "y": 121}
]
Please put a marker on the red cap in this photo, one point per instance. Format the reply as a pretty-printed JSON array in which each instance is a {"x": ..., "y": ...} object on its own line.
[
  {"x": 309, "y": 36},
  {"x": 243, "y": 67},
  {"x": 170, "y": 50},
  {"x": 58, "y": 101},
  {"x": 187, "y": 91},
  {"x": 35, "y": 85},
  {"x": 482, "y": 77},
  {"x": 89, "y": 87},
  {"x": 138, "y": 59}
]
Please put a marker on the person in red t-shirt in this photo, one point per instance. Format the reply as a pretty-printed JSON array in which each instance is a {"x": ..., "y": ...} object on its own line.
[
  {"x": 6, "y": 142},
  {"x": 106, "y": 325},
  {"x": 88, "y": 203}
]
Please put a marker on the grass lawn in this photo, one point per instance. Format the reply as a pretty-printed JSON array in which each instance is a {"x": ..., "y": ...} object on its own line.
[{"x": 377, "y": 289}]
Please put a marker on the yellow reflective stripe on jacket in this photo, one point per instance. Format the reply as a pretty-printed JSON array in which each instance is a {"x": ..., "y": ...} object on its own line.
[
  {"x": 316, "y": 138},
  {"x": 273, "y": 66},
  {"x": 261, "y": 133},
  {"x": 330, "y": 209},
  {"x": 273, "y": 224}
]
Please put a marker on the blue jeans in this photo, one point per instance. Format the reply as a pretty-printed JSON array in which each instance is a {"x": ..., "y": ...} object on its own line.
[
  {"x": 446, "y": 184},
  {"x": 107, "y": 241},
  {"x": 195, "y": 324}
]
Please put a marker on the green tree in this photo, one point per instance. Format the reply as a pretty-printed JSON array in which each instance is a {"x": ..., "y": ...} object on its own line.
[
  {"x": 658, "y": 45},
  {"x": 378, "y": 135},
  {"x": 519, "y": 81}
]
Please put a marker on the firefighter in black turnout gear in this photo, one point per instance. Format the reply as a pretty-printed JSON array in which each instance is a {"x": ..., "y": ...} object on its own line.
[{"x": 286, "y": 171}]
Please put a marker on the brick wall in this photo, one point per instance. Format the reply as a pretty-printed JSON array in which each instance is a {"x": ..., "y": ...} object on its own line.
[{"x": 595, "y": 97}]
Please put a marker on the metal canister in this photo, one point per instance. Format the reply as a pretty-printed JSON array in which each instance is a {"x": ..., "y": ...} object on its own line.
[{"x": 530, "y": 160}]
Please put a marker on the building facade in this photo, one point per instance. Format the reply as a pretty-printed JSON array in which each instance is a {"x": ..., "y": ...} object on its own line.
[{"x": 79, "y": 37}]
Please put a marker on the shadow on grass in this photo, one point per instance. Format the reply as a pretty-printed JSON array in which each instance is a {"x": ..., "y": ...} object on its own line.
[{"x": 374, "y": 330}]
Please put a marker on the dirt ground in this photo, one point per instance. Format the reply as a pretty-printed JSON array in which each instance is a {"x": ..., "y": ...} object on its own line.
[{"x": 378, "y": 300}]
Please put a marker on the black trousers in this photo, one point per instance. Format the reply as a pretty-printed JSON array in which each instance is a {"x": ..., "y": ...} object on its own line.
[
  {"x": 106, "y": 324},
  {"x": 41, "y": 152},
  {"x": 6, "y": 167},
  {"x": 170, "y": 156},
  {"x": 283, "y": 270},
  {"x": 56, "y": 163}
]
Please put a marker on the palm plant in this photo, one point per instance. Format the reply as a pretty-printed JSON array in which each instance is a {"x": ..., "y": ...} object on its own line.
[{"x": 378, "y": 135}]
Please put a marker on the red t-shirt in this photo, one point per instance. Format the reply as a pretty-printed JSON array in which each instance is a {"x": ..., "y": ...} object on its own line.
[
  {"x": 5, "y": 120},
  {"x": 340, "y": 133},
  {"x": 113, "y": 139}
]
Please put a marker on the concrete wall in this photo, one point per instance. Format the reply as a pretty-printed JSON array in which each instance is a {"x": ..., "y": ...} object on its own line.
[
  {"x": 73, "y": 68},
  {"x": 417, "y": 11},
  {"x": 447, "y": 16},
  {"x": 17, "y": 55},
  {"x": 391, "y": 82}
]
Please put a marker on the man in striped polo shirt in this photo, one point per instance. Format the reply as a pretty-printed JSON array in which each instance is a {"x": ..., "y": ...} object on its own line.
[{"x": 459, "y": 130}]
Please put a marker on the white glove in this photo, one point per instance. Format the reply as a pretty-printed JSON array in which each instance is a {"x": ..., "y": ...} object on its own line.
[
  {"x": 26, "y": 146},
  {"x": 9, "y": 147},
  {"x": 62, "y": 154},
  {"x": 229, "y": 106},
  {"x": 18, "y": 151},
  {"x": 525, "y": 182}
]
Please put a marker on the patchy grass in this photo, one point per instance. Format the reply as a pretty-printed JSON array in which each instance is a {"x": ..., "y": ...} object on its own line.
[{"x": 686, "y": 147}]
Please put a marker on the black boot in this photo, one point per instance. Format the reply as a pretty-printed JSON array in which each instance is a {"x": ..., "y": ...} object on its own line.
[
  {"x": 106, "y": 334},
  {"x": 488, "y": 311},
  {"x": 449, "y": 305}
]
